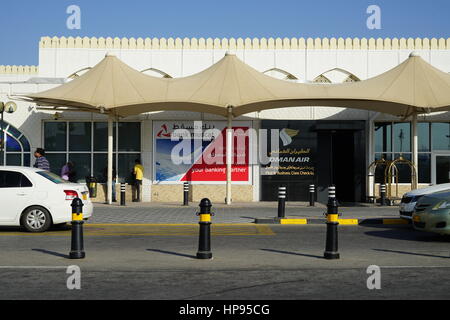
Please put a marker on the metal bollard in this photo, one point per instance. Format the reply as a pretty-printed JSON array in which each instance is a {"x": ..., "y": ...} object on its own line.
[
  {"x": 204, "y": 242},
  {"x": 331, "y": 251},
  {"x": 186, "y": 194},
  {"x": 312, "y": 195},
  {"x": 383, "y": 201},
  {"x": 77, "y": 247},
  {"x": 282, "y": 192},
  {"x": 123, "y": 194}
]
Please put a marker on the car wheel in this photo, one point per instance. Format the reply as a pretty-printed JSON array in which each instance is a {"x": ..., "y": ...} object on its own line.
[{"x": 36, "y": 219}]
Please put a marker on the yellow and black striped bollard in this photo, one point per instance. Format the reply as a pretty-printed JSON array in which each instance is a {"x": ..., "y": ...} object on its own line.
[
  {"x": 77, "y": 247},
  {"x": 331, "y": 251},
  {"x": 204, "y": 242}
]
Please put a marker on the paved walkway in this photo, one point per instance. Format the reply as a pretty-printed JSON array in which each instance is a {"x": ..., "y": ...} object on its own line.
[{"x": 236, "y": 213}]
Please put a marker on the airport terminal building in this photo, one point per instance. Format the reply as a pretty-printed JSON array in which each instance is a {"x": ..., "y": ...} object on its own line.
[{"x": 337, "y": 145}]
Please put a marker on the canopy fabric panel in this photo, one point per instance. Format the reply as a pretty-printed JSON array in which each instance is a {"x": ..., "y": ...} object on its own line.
[{"x": 412, "y": 87}]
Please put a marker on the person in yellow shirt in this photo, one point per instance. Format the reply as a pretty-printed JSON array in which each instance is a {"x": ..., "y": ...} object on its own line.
[{"x": 138, "y": 172}]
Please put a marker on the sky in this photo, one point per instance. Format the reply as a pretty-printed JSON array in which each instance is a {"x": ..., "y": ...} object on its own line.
[{"x": 24, "y": 22}]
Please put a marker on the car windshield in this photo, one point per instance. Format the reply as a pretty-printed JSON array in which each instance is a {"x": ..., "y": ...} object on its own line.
[{"x": 52, "y": 177}]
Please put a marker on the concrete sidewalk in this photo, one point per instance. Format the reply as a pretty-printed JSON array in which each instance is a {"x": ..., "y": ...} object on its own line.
[{"x": 171, "y": 213}]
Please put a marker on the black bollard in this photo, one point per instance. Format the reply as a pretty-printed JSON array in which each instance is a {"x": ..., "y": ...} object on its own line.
[
  {"x": 204, "y": 242},
  {"x": 383, "y": 201},
  {"x": 123, "y": 194},
  {"x": 282, "y": 192},
  {"x": 186, "y": 194},
  {"x": 331, "y": 251},
  {"x": 77, "y": 247},
  {"x": 312, "y": 195}
]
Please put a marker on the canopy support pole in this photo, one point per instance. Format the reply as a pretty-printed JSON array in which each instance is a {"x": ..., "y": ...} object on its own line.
[
  {"x": 110, "y": 160},
  {"x": 415, "y": 147},
  {"x": 229, "y": 155}
]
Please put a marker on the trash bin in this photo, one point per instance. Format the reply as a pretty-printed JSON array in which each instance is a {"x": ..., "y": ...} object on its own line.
[{"x": 92, "y": 184}]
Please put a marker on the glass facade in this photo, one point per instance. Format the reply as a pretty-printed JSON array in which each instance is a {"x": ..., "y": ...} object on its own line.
[
  {"x": 393, "y": 139},
  {"x": 85, "y": 144},
  {"x": 16, "y": 151}
]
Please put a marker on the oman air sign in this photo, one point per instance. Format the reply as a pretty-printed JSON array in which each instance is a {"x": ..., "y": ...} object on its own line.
[{"x": 196, "y": 151}]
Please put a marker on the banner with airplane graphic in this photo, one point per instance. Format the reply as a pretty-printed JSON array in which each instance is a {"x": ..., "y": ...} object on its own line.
[{"x": 188, "y": 151}]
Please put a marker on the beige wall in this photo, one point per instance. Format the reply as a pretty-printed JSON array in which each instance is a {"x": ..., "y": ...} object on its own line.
[
  {"x": 216, "y": 193},
  {"x": 101, "y": 193},
  {"x": 402, "y": 189}
]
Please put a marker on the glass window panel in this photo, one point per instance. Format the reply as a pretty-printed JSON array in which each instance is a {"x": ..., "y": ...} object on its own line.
[
  {"x": 129, "y": 136},
  {"x": 404, "y": 170},
  {"x": 101, "y": 136},
  {"x": 380, "y": 170},
  {"x": 27, "y": 160},
  {"x": 10, "y": 179},
  {"x": 440, "y": 135},
  {"x": 57, "y": 161},
  {"x": 12, "y": 145},
  {"x": 13, "y": 159},
  {"x": 100, "y": 166},
  {"x": 80, "y": 136},
  {"x": 402, "y": 137},
  {"x": 1, "y": 158},
  {"x": 383, "y": 137},
  {"x": 25, "y": 144},
  {"x": 442, "y": 169},
  {"x": 423, "y": 132},
  {"x": 424, "y": 168},
  {"x": 82, "y": 166},
  {"x": 55, "y": 136},
  {"x": 13, "y": 131},
  {"x": 126, "y": 165}
]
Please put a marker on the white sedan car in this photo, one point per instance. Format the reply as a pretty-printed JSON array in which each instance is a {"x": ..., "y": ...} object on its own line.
[
  {"x": 36, "y": 199},
  {"x": 410, "y": 199}
]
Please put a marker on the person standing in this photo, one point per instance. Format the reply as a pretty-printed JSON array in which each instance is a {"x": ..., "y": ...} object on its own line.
[
  {"x": 65, "y": 171},
  {"x": 41, "y": 160},
  {"x": 138, "y": 172},
  {"x": 68, "y": 172}
]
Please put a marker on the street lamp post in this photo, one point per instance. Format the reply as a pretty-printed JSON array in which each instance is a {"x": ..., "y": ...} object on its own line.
[{"x": 9, "y": 107}]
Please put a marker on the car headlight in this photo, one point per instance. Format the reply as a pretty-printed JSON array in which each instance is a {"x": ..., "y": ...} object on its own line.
[{"x": 442, "y": 205}]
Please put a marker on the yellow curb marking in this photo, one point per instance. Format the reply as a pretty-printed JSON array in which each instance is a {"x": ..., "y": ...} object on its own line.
[
  {"x": 294, "y": 221},
  {"x": 348, "y": 222}
]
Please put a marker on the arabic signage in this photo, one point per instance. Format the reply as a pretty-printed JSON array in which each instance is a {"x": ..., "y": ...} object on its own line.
[
  {"x": 294, "y": 155},
  {"x": 200, "y": 152}
]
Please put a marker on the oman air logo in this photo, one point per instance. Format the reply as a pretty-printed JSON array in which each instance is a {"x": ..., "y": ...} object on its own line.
[
  {"x": 164, "y": 132},
  {"x": 286, "y": 136}
]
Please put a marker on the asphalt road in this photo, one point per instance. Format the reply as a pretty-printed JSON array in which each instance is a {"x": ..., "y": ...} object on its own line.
[{"x": 250, "y": 263}]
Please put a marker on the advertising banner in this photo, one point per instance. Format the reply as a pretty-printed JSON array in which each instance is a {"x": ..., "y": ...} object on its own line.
[
  {"x": 294, "y": 156},
  {"x": 196, "y": 151}
]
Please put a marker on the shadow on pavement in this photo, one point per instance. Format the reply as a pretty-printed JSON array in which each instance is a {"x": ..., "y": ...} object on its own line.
[
  {"x": 293, "y": 253},
  {"x": 57, "y": 254},
  {"x": 407, "y": 234},
  {"x": 21, "y": 229},
  {"x": 172, "y": 253},
  {"x": 413, "y": 253}
]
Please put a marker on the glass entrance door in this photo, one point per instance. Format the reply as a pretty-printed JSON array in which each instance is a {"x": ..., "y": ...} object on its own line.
[{"x": 441, "y": 168}]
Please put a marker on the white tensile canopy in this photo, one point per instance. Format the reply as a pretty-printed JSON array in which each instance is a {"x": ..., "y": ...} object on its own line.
[{"x": 232, "y": 88}]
